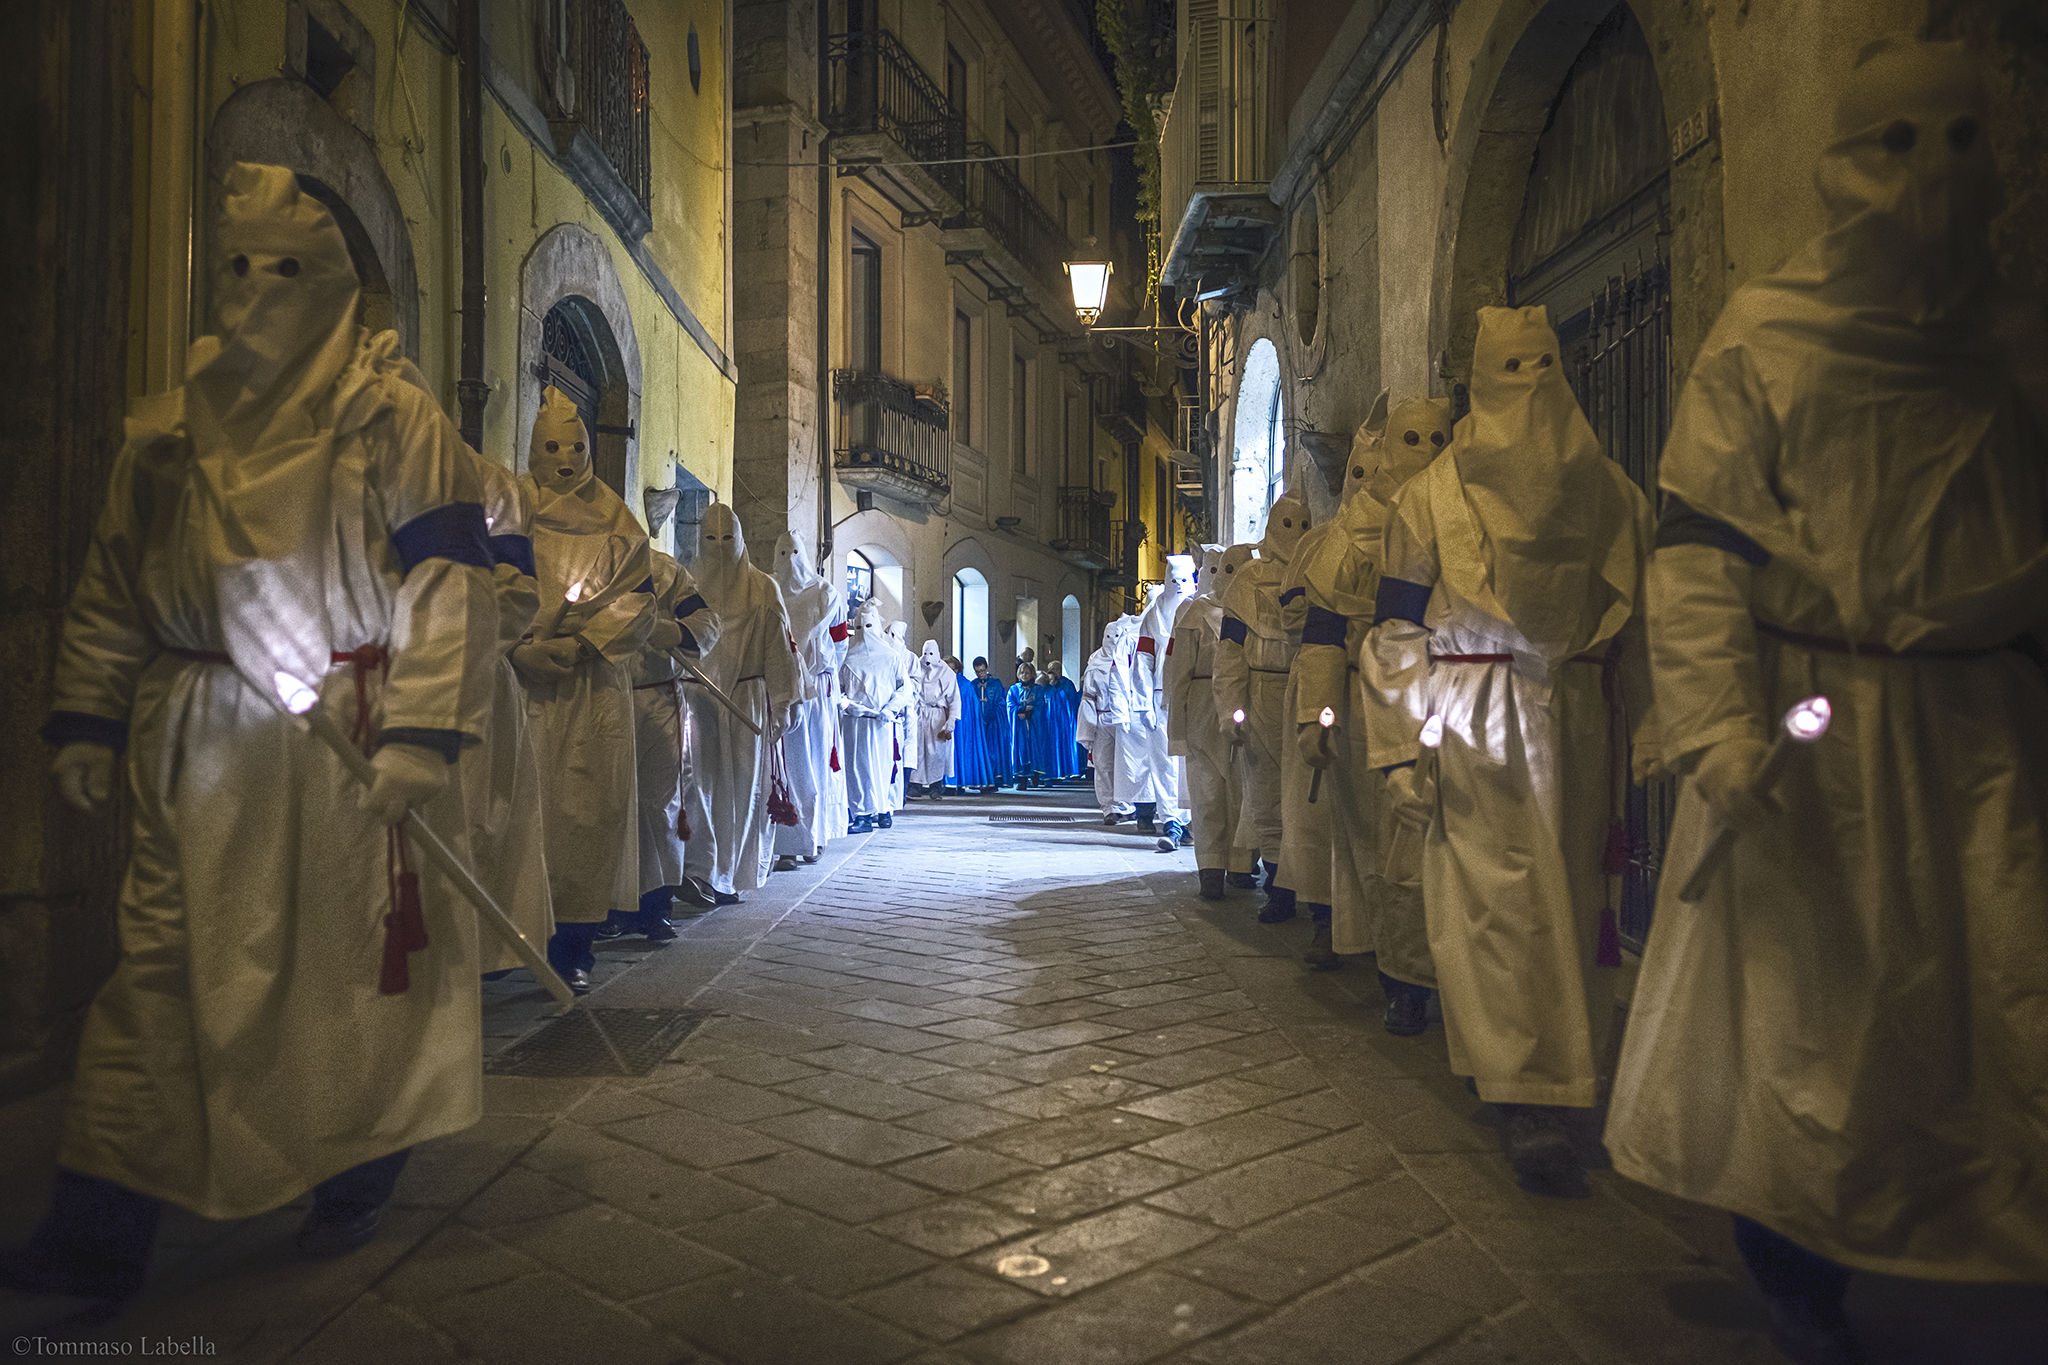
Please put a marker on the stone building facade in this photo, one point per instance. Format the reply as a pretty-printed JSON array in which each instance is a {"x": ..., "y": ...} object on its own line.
[
  {"x": 1346, "y": 184},
  {"x": 917, "y": 398},
  {"x": 603, "y": 125}
]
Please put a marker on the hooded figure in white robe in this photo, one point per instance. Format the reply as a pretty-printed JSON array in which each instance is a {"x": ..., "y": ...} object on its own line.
[
  {"x": 755, "y": 665},
  {"x": 1095, "y": 720},
  {"x": 1510, "y": 601},
  {"x": 1193, "y": 729},
  {"x": 874, "y": 687},
  {"x": 590, "y": 556},
  {"x": 501, "y": 784},
  {"x": 935, "y": 695},
  {"x": 810, "y": 745},
  {"x": 288, "y": 1011},
  {"x": 685, "y": 628},
  {"x": 1128, "y": 696},
  {"x": 1163, "y": 781},
  {"x": 1337, "y": 567},
  {"x": 1253, "y": 657},
  {"x": 898, "y": 635},
  {"x": 1843, "y": 1038}
]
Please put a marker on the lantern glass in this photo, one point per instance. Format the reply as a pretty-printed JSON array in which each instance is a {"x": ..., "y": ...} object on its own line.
[{"x": 1090, "y": 282}]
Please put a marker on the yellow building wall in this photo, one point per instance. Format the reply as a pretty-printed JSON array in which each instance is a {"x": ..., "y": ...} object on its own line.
[{"x": 686, "y": 402}]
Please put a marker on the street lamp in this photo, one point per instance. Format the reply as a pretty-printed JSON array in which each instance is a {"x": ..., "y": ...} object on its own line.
[{"x": 1090, "y": 283}]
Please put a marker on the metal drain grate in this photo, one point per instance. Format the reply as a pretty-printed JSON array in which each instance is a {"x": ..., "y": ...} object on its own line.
[
  {"x": 1031, "y": 819},
  {"x": 570, "y": 1045}
]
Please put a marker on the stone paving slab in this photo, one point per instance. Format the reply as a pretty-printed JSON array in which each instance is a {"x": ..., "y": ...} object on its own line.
[{"x": 986, "y": 1095}]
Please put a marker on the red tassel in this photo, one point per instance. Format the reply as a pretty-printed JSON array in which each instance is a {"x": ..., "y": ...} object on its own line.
[
  {"x": 393, "y": 979},
  {"x": 1610, "y": 940},
  {"x": 835, "y": 758},
  {"x": 1615, "y": 861},
  {"x": 682, "y": 824}
]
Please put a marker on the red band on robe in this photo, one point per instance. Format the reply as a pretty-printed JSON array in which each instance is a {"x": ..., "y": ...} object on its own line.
[
  {"x": 1145, "y": 645},
  {"x": 1169, "y": 649},
  {"x": 839, "y": 633}
]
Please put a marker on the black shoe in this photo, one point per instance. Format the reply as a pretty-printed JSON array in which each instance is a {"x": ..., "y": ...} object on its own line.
[
  {"x": 786, "y": 863},
  {"x": 499, "y": 975},
  {"x": 726, "y": 897},
  {"x": 659, "y": 930},
  {"x": 611, "y": 929},
  {"x": 1110, "y": 817},
  {"x": 1407, "y": 1007},
  {"x": 578, "y": 980},
  {"x": 1279, "y": 906},
  {"x": 1169, "y": 837},
  {"x": 323, "y": 1236},
  {"x": 885, "y": 821},
  {"x": 936, "y": 791},
  {"x": 862, "y": 824},
  {"x": 1212, "y": 883},
  {"x": 1812, "y": 1334},
  {"x": 694, "y": 892},
  {"x": 1542, "y": 1154},
  {"x": 1243, "y": 881},
  {"x": 1321, "y": 956}
]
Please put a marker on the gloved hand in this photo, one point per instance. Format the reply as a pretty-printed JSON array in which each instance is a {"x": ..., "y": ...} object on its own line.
[
  {"x": 1316, "y": 751},
  {"x": 546, "y": 661},
  {"x": 407, "y": 777},
  {"x": 1237, "y": 733},
  {"x": 1727, "y": 777},
  {"x": 1646, "y": 763},
  {"x": 666, "y": 635},
  {"x": 1413, "y": 800},
  {"x": 85, "y": 774}
]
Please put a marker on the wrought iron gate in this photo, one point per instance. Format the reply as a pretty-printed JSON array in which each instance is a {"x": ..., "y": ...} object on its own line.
[{"x": 1618, "y": 359}]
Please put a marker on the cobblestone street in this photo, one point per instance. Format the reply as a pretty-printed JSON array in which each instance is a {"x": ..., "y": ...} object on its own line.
[{"x": 993, "y": 1090}]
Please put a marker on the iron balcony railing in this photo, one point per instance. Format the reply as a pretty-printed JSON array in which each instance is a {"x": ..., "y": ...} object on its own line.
[
  {"x": 884, "y": 425},
  {"x": 1084, "y": 525},
  {"x": 995, "y": 200},
  {"x": 878, "y": 87},
  {"x": 594, "y": 68}
]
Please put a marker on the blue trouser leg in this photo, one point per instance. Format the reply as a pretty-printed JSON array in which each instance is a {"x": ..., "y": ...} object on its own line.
[
  {"x": 1318, "y": 914},
  {"x": 1783, "y": 1269},
  {"x": 359, "y": 1189},
  {"x": 655, "y": 904},
  {"x": 569, "y": 949}
]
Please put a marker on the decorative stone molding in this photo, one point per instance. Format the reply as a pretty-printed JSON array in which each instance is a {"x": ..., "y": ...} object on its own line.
[{"x": 570, "y": 264}]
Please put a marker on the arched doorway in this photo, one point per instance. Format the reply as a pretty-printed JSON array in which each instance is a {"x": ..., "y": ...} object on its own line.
[
  {"x": 970, "y": 616},
  {"x": 872, "y": 572},
  {"x": 1259, "y": 462},
  {"x": 580, "y": 357}
]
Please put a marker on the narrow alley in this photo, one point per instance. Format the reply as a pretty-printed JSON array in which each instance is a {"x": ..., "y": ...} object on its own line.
[{"x": 991, "y": 1086}]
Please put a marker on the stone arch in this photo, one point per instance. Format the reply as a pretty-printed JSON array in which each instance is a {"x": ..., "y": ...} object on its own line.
[
  {"x": 284, "y": 123},
  {"x": 1521, "y": 65},
  {"x": 881, "y": 538},
  {"x": 570, "y": 268}
]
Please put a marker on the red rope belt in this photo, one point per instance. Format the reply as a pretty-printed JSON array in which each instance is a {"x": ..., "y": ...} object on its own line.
[{"x": 405, "y": 925}]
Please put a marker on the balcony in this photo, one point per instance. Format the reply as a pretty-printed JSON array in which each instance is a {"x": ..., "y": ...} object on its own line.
[
  {"x": 1085, "y": 529},
  {"x": 594, "y": 90},
  {"x": 886, "y": 114},
  {"x": 1126, "y": 536},
  {"x": 1006, "y": 237},
  {"x": 1213, "y": 156},
  {"x": 1124, "y": 416},
  {"x": 890, "y": 438}
]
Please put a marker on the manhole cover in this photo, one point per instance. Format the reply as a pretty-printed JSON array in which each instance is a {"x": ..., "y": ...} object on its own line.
[
  {"x": 1022, "y": 1267},
  {"x": 1031, "y": 819},
  {"x": 570, "y": 1045}
]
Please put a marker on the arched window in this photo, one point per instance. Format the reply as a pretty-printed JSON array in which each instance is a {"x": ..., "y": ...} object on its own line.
[
  {"x": 860, "y": 582},
  {"x": 1071, "y": 654},
  {"x": 970, "y": 617},
  {"x": 1259, "y": 469}
]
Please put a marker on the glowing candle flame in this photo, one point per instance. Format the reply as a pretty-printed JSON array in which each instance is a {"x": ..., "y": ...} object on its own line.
[
  {"x": 1327, "y": 719},
  {"x": 1433, "y": 731},
  {"x": 1238, "y": 715},
  {"x": 575, "y": 591},
  {"x": 297, "y": 697},
  {"x": 489, "y": 522},
  {"x": 1808, "y": 721}
]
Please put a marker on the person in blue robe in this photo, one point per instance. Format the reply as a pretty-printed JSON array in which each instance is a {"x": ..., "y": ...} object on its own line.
[
  {"x": 970, "y": 749},
  {"x": 986, "y": 711},
  {"x": 1063, "y": 702},
  {"x": 1026, "y": 729}
]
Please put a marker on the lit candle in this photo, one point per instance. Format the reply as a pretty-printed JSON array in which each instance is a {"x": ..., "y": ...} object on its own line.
[
  {"x": 1326, "y": 720},
  {"x": 568, "y": 600},
  {"x": 1802, "y": 725}
]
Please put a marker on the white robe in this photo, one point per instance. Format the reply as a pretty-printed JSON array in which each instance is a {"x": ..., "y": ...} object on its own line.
[
  {"x": 584, "y": 732},
  {"x": 1844, "y": 1038},
  {"x": 817, "y": 786},
  {"x": 873, "y": 688},
  {"x": 935, "y": 696},
  {"x": 1193, "y": 728},
  {"x": 755, "y": 664},
  {"x": 242, "y": 1052},
  {"x": 1161, "y": 779},
  {"x": 663, "y": 752},
  {"x": 1252, "y": 659}
]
